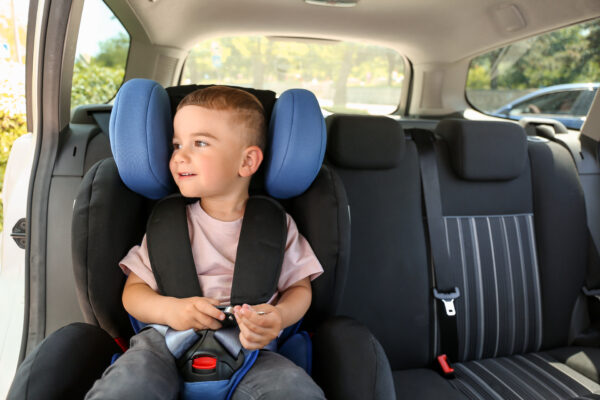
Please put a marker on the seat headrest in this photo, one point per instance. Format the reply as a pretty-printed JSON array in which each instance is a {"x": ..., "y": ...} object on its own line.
[
  {"x": 297, "y": 140},
  {"x": 365, "y": 142},
  {"x": 141, "y": 131},
  {"x": 485, "y": 150}
]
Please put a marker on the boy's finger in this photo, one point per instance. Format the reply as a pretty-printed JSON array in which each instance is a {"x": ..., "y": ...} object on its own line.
[
  {"x": 251, "y": 341},
  {"x": 249, "y": 345},
  {"x": 254, "y": 327},
  {"x": 251, "y": 336},
  {"x": 207, "y": 322},
  {"x": 209, "y": 310}
]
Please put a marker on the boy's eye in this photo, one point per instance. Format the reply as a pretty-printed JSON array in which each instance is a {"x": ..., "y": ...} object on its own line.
[
  {"x": 200, "y": 143},
  {"x": 176, "y": 146}
]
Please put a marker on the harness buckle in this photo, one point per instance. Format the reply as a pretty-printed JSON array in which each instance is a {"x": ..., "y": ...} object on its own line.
[{"x": 448, "y": 300}]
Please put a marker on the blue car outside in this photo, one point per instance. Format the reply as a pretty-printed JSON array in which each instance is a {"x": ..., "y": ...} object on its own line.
[{"x": 568, "y": 103}]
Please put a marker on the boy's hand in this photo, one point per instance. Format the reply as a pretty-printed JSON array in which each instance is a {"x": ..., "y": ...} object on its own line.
[
  {"x": 258, "y": 329},
  {"x": 193, "y": 313}
]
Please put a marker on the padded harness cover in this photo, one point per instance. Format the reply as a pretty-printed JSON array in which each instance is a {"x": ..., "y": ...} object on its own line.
[{"x": 258, "y": 260}]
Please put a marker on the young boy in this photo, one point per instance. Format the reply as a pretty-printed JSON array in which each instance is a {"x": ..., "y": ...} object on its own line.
[{"x": 217, "y": 146}]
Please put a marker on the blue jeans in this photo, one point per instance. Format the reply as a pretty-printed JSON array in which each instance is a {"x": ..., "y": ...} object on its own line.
[{"x": 148, "y": 371}]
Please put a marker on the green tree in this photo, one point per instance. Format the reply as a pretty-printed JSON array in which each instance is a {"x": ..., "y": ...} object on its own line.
[
  {"x": 564, "y": 56},
  {"x": 98, "y": 79},
  {"x": 113, "y": 52}
]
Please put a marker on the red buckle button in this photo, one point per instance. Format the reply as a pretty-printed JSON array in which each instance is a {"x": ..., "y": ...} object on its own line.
[
  {"x": 446, "y": 368},
  {"x": 204, "y": 363}
]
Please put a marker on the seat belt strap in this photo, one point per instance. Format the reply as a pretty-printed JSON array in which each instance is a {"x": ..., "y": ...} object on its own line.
[
  {"x": 259, "y": 256},
  {"x": 170, "y": 249},
  {"x": 445, "y": 289}
]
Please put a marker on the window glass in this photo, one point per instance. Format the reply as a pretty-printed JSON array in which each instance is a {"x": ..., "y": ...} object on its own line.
[
  {"x": 101, "y": 56},
  {"x": 345, "y": 77},
  {"x": 554, "y": 75}
]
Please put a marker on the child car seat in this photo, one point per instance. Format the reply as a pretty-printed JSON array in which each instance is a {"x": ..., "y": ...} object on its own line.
[{"x": 98, "y": 245}]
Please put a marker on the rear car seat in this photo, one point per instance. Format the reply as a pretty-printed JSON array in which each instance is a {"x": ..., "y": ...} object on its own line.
[{"x": 516, "y": 230}]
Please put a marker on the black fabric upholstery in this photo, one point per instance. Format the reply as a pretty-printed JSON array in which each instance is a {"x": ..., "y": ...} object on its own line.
[
  {"x": 499, "y": 310},
  {"x": 465, "y": 197},
  {"x": 515, "y": 226},
  {"x": 352, "y": 364},
  {"x": 97, "y": 247},
  {"x": 322, "y": 216},
  {"x": 561, "y": 235},
  {"x": 364, "y": 142},
  {"x": 485, "y": 150},
  {"x": 421, "y": 383},
  {"x": 388, "y": 285},
  {"x": 64, "y": 365},
  {"x": 535, "y": 376}
]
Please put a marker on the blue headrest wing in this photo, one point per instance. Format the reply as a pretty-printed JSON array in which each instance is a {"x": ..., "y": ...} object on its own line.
[
  {"x": 297, "y": 138},
  {"x": 140, "y": 131}
]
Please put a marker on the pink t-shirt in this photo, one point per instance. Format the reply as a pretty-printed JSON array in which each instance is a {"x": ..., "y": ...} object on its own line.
[{"x": 214, "y": 247}]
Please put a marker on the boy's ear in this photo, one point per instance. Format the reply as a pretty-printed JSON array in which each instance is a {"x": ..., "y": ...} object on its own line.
[{"x": 252, "y": 158}]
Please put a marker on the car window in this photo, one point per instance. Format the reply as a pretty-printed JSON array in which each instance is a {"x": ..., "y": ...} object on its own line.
[
  {"x": 101, "y": 55},
  {"x": 346, "y": 77},
  {"x": 555, "y": 74},
  {"x": 553, "y": 103}
]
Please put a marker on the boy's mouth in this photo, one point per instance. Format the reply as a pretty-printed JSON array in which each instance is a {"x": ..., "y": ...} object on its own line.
[{"x": 186, "y": 174}]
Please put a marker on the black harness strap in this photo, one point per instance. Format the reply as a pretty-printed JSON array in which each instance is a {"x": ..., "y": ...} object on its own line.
[
  {"x": 170, "y": 249},
  {"x": 259, "y": 254},
  {"x": 445, "y": 289}
]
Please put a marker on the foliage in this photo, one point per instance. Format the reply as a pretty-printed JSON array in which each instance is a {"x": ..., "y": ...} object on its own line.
[
  {"x": 97, "y": 79},
  {"x": 94, "y": 84},
  {"x": 567, "y": 55},
  {"x": 12, "y": 125},
  {"x": 326, "y": 68}
]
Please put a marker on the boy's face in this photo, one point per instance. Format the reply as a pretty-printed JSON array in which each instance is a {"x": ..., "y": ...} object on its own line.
[{"x": 208, "y": 152}]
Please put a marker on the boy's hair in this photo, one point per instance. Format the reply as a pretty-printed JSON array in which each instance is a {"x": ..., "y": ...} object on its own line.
[{"x": 248, "y": 110}]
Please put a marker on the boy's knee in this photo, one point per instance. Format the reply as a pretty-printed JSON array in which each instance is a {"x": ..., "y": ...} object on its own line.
[{"x": 294, "y": 384}]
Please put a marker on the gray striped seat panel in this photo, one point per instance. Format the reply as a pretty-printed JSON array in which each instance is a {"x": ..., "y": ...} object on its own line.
[
  {"x": 535, "y": 376},
  {"x": 495, "y": 266}
]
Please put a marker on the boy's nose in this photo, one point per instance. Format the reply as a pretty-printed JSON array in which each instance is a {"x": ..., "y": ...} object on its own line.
[{"x": 181, "y": 155}]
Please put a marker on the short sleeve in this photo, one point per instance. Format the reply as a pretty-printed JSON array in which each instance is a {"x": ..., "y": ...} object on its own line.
[
  {"x": 138, "y": 262},
  {"x": 299, "y": 260}
]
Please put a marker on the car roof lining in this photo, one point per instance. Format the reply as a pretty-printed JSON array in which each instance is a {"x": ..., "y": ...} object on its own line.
[{"x": 454, "y": 30}]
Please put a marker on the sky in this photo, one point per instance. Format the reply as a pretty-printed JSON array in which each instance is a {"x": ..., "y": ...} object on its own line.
[{"x": 97, "y": 25}]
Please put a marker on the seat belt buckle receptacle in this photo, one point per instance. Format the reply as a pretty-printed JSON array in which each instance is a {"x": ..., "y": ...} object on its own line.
[
  {"x": 448, "y": 300},
  {"x": 447, "y": 370}
]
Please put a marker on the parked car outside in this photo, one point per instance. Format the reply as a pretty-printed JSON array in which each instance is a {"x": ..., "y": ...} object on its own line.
[{"x": 567, "y": 103}]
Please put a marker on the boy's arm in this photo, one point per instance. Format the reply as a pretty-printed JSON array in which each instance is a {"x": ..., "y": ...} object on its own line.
[
  {"x": 294, "y": 302},
  {"x": 256, "y": 331},
  {"x": 147, "y": 306}
]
